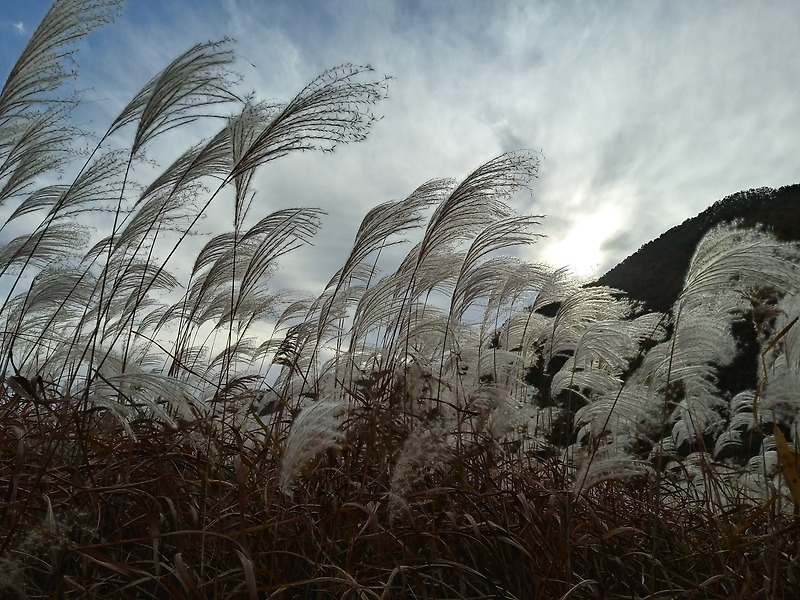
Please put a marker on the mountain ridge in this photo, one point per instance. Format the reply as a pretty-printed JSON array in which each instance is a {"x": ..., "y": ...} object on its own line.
[{"x": 654, "y": 273}]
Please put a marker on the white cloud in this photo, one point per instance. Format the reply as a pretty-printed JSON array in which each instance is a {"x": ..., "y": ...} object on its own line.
[
  {"x": 20, "y": 27},
  {"x": 646, "y": 113}
]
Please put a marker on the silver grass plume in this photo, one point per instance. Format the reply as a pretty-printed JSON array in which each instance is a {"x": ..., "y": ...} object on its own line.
[
  {"x": 676, "y": 383},
  {"x": 42, "y": 248},
  {"x": 437, "y": 273},
  {"x": 425, "y": 452},
  {"x": 579, "y": 310},
  {"x": 472, "y": 281},
  {"x": 315, "y": 429},
  {"x": 331, "y": 110},
  {"x": 522, "y": 282},
  {"x": 40, "y": 67},
  {"x": 733, "y": 258},
  {"x": 167, "y": 101},
  {"x": 55, "y": 296},
  {"x": 88, "y": 193},
  {"x": 37, "y": 146},
  {"x": 180, "y": 94},
  {"x": 727, "y": 260},
  {"x": 528, "y": 329},
  {"x": 240, "y": 350},
  {"x": 787, "y": 349},
  {"x": 161, "y": 212},
  {"x": 391, "y": 219},
  {"x": 33, "y": 136},
  {"x": 377, "y": 308},
  {"x": 779, "y": 374},
  {"x": 155, "y": 394},
  {"x": 478, "y": 200},
  {"x": 379, "y": 226},
  {"x": 210, "y": 159},
  {"x": 609, "y": 463},
  {"x": 292, "y": 312},
  {"x": 314, "y": 119},
  {"x": 741, "y": 421},
  {"x": 246, "y": 263},
  {"x": 166, "y": 204},
  {"x": 603, "y": 351},
  {"x": 620, "y": 415},
  {"x": 597, "y": 334}
]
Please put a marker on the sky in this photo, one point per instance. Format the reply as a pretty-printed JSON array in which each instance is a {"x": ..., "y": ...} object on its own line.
[{"x": 645, "y": 112}]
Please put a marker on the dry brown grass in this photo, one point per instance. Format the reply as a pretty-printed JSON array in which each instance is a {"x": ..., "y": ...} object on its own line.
[{"x": 91, "y": 513}]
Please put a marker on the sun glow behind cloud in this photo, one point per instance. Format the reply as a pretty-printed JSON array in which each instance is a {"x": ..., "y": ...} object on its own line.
[{"x": 581, "y": 249}]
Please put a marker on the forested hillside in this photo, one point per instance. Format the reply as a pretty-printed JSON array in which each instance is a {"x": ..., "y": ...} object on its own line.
[{"x": 655, "y": 272}]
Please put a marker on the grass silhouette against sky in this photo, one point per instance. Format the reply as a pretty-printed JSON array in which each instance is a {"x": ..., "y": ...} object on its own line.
[{"x": 646, "y": 113}]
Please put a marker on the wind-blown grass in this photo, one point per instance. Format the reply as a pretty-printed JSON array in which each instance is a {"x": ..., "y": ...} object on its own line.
[{"x": 458, "y": 423}]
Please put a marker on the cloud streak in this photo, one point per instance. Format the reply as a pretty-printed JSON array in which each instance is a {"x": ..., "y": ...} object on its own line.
[{"x": 645, "y": 113}]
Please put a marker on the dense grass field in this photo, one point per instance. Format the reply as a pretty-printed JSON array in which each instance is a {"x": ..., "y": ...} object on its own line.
[{"x": 445, "y": 420}]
